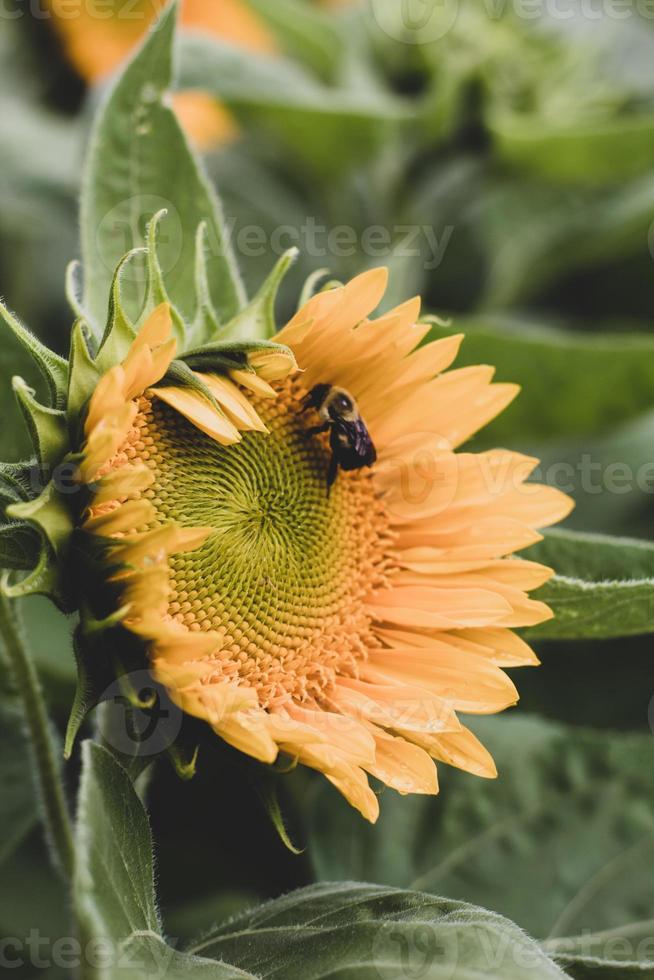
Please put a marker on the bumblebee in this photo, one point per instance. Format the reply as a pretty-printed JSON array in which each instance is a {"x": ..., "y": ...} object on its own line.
[{"x": 349, "y": 439}]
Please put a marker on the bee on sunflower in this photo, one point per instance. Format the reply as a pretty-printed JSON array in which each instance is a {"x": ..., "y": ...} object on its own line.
[{"x": 186, "y": 516}]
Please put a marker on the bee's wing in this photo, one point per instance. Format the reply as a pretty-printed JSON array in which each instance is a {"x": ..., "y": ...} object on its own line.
[{"x": 361, "y": 442}]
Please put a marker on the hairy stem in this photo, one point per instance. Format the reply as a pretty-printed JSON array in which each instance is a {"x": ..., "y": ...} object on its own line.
[{"x": 47, "y": 769}]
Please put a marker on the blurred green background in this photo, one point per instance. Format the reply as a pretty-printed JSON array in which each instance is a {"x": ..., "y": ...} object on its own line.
[{"x": 500, "y": 161}]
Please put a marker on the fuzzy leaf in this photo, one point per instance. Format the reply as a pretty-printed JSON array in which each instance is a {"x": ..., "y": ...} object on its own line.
[
  {"x": 140, "y": 162},
  {"x": 114, "y": 897},
  {"x": 114, "y": 889},
  {"x": 624, "y": 953},
  {"x": 375, "y": 933},
  {"x": 603, "y": 586}
]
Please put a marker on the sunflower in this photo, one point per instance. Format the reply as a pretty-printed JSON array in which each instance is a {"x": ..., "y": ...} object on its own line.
[
  {"x": 345, "y": 629},
  {"x": 97, "y": 38}
]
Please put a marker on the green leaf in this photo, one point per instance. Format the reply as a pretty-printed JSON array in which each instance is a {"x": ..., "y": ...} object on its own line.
[
  {"x": 279, "y": 97},
  {"x": 600, "y": 150},
  {"x": 373, "y": 933},
  {"x": 139, "y": 163},
  {"x": 561, "y": 843},
  {"x": 624, "y": 953},
  {"x": 533, "y": 233},
  {"x": 543, "y": 360},
  {"x": 147, "y": 956},
  {"x": 114, "y": 888},
  {"x": 603, "y": 587},
  {"x": 114, "y": 896},
  {"x": 305, "y": 31}
]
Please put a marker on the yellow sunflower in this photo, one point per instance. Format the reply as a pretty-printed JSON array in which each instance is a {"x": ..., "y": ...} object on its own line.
[{"x": 346, "y": 629}]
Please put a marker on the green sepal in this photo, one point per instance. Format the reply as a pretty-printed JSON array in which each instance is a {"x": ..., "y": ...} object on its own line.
[
  {"x": 232, "y": 355},
  {"x": 185, "y": 768},
  {"x": 156, "y": 292},
  {"x": 19, "y": 546},
  {"x": 90, "y": 684},
  {"x": 93, "y": 626},
  {"x": 257, "y": 321},
  {"x": 206, "y": 324},
  {"x": 48, "y": 514},
  {"x": 53, "y": 367},
  {"x": 84, "y": 372},
  {"x": 266, "y": 789},
  {"x": 83, "y": 700},
  {"x": 132, "y": 696},
  {"x": 17, "y": 481},
  {"x": 47, "y": 426},
  {"x": 44, "y": 579},
  {"x": 119, "y": 334},
  {"x": 310, "y": 286},
  {"x": 74, "y": 289}
]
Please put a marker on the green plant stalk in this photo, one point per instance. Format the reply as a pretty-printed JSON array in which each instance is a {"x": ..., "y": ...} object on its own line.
[{"x": 56, "y": 816}]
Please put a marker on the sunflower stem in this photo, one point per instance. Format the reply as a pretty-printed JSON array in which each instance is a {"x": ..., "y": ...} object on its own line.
[{"x": 42, "y": 740}]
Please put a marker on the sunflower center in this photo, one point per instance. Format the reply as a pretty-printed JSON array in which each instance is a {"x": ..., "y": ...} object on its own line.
[{"x": 285, "y": 576}]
